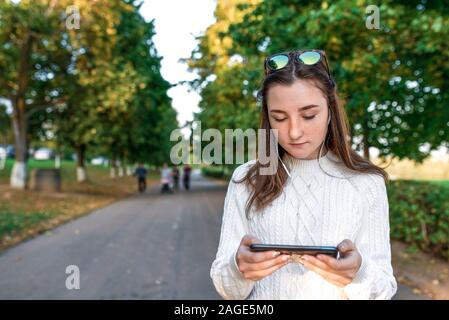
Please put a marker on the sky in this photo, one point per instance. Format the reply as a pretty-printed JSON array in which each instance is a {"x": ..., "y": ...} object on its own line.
[{"x": 177, "y": 22}]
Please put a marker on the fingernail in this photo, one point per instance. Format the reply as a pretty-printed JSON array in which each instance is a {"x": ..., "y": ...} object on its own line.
[
  {"x": 305, "y": 258},
  {"x": 285, "y": 258},
  {"x": 275, "y": 254}
]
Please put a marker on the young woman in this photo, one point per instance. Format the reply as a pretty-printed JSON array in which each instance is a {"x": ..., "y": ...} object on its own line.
[{"x": 322, "y": 193}]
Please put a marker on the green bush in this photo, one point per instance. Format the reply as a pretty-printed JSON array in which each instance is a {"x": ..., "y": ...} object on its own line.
[
  {"x": 219, "y": 172},
  {"x": 419, "y": 215}
]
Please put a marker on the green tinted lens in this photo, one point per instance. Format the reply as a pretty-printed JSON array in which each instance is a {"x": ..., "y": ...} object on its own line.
[
  {"x": 309, "y": 57},
  {"x": 277, "y": 62}
]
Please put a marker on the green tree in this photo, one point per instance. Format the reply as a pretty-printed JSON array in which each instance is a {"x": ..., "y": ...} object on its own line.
[
  {"x": 5, "y": 128},
  {"x": 227, "y": 90},
  {"x": 142, "y": 134},
  {"x": 391, "y": 79},
  {"x": 97, "y": 87},
  {"x": 29, "y": 36},
  {"x": 98, "y": 84}
]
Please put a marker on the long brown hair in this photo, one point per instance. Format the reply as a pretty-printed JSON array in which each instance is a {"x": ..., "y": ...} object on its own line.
[{"x": 266, "y": 188}]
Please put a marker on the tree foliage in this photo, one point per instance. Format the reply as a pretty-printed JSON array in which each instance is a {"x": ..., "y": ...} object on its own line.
[{"x": 393, "y": 80}]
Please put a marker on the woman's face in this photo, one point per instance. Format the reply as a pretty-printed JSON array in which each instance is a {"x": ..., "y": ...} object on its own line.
[{"x": 300, "y": 114}]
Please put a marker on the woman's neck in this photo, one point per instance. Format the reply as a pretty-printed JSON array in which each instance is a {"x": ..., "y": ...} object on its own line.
[
  {"x": 309, "y": 164},
  {"x": 314, "y": 154}
]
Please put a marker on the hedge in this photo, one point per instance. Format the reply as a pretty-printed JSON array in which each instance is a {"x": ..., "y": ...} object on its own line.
[{"x": 419, "y": 215}]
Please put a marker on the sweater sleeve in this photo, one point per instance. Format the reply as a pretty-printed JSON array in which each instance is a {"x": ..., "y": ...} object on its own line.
[
  {"x": 375, "y": 279},
  {"x": 227, "y": 278}
]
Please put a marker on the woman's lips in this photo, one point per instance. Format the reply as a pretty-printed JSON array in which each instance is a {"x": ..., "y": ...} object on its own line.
[{"x": 298, "y": 145}]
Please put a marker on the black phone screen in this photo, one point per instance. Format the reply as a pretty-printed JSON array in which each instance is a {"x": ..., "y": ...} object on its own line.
[{"x": 295, "y": 249}]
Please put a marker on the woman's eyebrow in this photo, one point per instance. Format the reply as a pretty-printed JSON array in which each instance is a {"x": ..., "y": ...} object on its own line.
[{"x": 310, "y": 106}]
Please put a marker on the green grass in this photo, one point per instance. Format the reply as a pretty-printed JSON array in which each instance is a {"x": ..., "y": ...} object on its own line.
[
  {"x": 68, "y": 168},
  {"x": 11, "y": 222}
]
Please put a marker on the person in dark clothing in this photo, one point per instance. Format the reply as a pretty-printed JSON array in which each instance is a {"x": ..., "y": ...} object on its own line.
[
  {"x": 175, "y": 176},
  {"x": 186, "y": 177},
  {"x": 141, "y": 174}
]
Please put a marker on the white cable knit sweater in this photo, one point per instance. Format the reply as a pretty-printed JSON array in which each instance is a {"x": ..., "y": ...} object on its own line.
[{"x": 317, "y": 210}]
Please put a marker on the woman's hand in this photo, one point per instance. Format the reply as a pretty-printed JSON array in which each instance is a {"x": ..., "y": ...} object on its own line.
[
  {"x": 338, "y": 272},
  {"x": 258, "y": 265}
]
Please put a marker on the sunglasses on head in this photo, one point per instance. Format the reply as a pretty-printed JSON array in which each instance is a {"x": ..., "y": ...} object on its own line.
[{"x": 279, "y": 61}]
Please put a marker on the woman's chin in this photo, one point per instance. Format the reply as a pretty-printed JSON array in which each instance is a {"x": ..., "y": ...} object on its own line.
[{"x": 299, "y": 153}]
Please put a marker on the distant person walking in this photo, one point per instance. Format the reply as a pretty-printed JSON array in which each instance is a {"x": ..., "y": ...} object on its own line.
[
  {"x": 166, "y": 179},
  {"x": 175, "y": 175},
  {"x": 186, "y": 176},
  {"x": 141, "y": 174}
]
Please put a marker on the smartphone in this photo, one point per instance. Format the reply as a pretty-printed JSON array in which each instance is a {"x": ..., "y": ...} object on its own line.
[{"x": 293, "y": 249}]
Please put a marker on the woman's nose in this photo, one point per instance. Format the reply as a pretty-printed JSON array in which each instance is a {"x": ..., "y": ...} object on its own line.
[{"x": 295, "y": 132}]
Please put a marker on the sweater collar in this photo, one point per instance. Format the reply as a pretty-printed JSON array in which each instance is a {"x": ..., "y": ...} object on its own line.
[{"x": 327, "y": 162}]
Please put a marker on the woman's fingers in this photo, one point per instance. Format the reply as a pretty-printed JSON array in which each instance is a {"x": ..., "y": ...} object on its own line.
[
  {"x": 334, "y": 274},
  {"x": 248, "y": 240},
  {"x": 282, "y": 259},
  {"x": 258, "y": 260},
  {"x": 249, "y": 256},
  {"x": 330, "y": 261},
  {"x": 346, "y": 263},
  {"x": 316, "y": 262},
  {"x": 256, "y": 275},
  {"x": 346, "y": 246},
  {"x": 329, "y": 276}
]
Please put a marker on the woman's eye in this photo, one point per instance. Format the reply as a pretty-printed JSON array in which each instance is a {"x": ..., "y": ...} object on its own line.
[
  {"x": 279, "y": 120},
  {"x": 309, "y": 117}
]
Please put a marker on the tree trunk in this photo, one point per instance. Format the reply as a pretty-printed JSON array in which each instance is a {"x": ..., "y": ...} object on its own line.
[
  {"x": 365, "y": 148},
  {"x": 365, "y": 141},
  {"x": 121, "y": 171},
  {"x": 58, "y": 161},
  {"x": 18, "y": 175},
  {"x": 19, "y": 120},
  {"x": 113, "y": 167},
  {"x": 81, "y": 172}
]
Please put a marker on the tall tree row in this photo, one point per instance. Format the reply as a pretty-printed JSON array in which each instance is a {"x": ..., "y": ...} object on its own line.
[{"x": 96, "y": 86}]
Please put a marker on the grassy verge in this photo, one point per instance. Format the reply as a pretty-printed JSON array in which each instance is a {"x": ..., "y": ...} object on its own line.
[
  {"x": 25, "y": 213},
  {"x": 11, "y": 222},
  {"x": 422, "y": 272}
]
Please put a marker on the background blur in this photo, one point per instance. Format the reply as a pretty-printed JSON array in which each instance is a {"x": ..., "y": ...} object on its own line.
[{"x": 91, "y": 88}]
